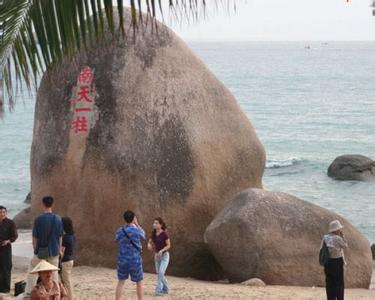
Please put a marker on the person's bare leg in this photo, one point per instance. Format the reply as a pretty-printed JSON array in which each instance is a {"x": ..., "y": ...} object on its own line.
[
  {"x": 119, "y": 289},
  {"x": 140, "y": 290}
]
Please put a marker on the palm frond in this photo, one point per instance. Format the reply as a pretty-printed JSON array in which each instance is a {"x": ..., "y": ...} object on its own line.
[
  {"x": 13, "y": 20},
  {"x": 36, "y": 34}
]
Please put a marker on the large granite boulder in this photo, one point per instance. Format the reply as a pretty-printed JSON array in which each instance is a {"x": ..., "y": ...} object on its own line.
[
  {"x": 144, "y": 125},
  {"x": 352, "y": 167},
  {"x": 276, "y": 237}
]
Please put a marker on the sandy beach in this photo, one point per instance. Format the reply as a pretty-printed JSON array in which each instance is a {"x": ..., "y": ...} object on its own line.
[{"x": 100, "y": 283}]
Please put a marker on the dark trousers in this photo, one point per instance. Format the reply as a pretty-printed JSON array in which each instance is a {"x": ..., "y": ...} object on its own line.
[
  {"x": 5, "y": 268},
  {"x": 334, "y": 270}
]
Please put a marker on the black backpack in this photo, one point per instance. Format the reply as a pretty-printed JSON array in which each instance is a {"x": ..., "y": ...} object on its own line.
[{"x": 323, "y": 254}]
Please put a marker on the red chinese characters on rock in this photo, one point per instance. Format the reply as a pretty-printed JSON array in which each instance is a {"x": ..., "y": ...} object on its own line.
[
  {"x": 86, "y": 76},
  {"x": 84, "y": 94},
  {"x": 82, "y": 101},
  {"x": 80, "y": 124}
]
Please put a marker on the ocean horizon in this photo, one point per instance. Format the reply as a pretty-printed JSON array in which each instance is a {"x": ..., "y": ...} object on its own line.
[{"x": 309, "y": 102}]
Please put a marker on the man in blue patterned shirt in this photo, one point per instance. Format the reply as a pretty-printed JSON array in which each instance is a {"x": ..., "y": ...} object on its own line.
[{"x": 129, "y": 259}]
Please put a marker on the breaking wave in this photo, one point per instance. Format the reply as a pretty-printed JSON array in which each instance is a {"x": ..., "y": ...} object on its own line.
[{"x": 276, "y": 164}]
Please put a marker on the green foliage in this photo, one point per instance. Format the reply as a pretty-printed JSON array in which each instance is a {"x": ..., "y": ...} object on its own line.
[{"x": 37, "y": 34}]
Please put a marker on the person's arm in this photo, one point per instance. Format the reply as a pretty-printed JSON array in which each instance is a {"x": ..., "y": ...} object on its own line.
[
  {"x": 342, "y": 241},
  {"x": 35, "y": 242},
  {"x": 35, "y": 235},
  {"x": 60, "y": 233},
  {"x": 63, "y": 293},
  {"x": 167, "y": 246},
  {"x": 61, "y": 247},
  {"x": 141, "y": 231},
  {"x": 13, "y": 233},
  {"x": 62, "y": 251},
  {"x": 150, "y": 245},
  {"x": 119, "y": 234},
  {"x": 34, "y": 294}
]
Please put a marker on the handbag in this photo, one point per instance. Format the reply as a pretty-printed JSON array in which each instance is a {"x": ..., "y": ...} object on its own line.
[
  {"x": 43, "y": 252},
  {"x": 323, "y": 254},
  {"x": 131, "y": 241},
  {"x": 19, "y": 288}
]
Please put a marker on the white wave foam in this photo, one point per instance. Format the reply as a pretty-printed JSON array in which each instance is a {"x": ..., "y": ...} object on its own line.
[{"x": 275, "y": 163}]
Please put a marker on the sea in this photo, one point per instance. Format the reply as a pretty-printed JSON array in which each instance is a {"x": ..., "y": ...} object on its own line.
[{"x": 308, "y": 101}]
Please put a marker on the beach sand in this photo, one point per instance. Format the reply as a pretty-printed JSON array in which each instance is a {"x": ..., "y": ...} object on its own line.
[{"x": 100, "y": 283}]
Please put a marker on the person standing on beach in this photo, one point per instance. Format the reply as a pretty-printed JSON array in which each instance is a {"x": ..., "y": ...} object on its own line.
[
  {"x": 8, "y": 234},
  {"x": 334, "y": 267},
  {"x": 160, "y": 243},
  {"x": 67, "y": 262},
  {"x": 129, "y": 259},
  {"x": 47, "y": 241}
]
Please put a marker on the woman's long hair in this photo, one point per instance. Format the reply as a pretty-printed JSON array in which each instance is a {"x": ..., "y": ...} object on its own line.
[
  {"x": 67, "y": 225},
  {"x": 163, "y": 227}
]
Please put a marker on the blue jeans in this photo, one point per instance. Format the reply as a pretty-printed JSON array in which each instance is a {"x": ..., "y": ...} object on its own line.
[{"x": 161, "y": 265}]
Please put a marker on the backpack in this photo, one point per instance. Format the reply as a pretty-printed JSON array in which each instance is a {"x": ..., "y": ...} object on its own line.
[{"x": 323, "y": 254}]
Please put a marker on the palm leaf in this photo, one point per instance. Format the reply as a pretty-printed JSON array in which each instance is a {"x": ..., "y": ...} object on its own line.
[{"x": 36, "y": 34}]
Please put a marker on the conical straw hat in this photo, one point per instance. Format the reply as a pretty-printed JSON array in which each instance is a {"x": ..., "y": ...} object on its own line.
[{"x": 44, "y": 266}]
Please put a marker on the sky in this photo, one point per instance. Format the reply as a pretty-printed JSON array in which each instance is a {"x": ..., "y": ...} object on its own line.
[{"x": 283, "y": 20}]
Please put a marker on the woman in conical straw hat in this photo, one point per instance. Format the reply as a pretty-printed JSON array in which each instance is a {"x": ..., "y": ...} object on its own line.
[
  {"x": 47, "y": 288},
  {"x": 334, "y": 268}
]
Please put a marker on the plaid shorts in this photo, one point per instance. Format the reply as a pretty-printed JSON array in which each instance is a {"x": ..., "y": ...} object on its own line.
[{"x": 132, "y": 267}]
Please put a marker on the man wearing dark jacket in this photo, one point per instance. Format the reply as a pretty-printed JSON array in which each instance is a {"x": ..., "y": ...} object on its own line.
[{"x": 8, "y": 234}]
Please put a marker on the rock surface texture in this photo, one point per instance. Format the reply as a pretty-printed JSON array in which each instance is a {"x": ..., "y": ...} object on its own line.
[
  {"x": 352, "y": 167},
  {"x": 24, "y": 219},
  {"x": 276, "y": 237},
  {"x": 28, "y": 198},
  {"x": 141, "y": 125},
  {"x": 254, "y": 282}
]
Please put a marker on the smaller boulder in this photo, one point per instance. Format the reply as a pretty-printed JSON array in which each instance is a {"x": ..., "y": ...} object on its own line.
[
  {"x": 276, "y": 237},
  {"x": 24, "y": 219},
  {"x": 254, "y": 282},
  {"x": 373, "y": 251},
  {"x": 352, "y": 167},
  {"x": 28, "y": 199}
]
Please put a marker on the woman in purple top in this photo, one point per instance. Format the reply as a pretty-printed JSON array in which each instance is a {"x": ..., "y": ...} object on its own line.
[{"x": 160, "y": 244}]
